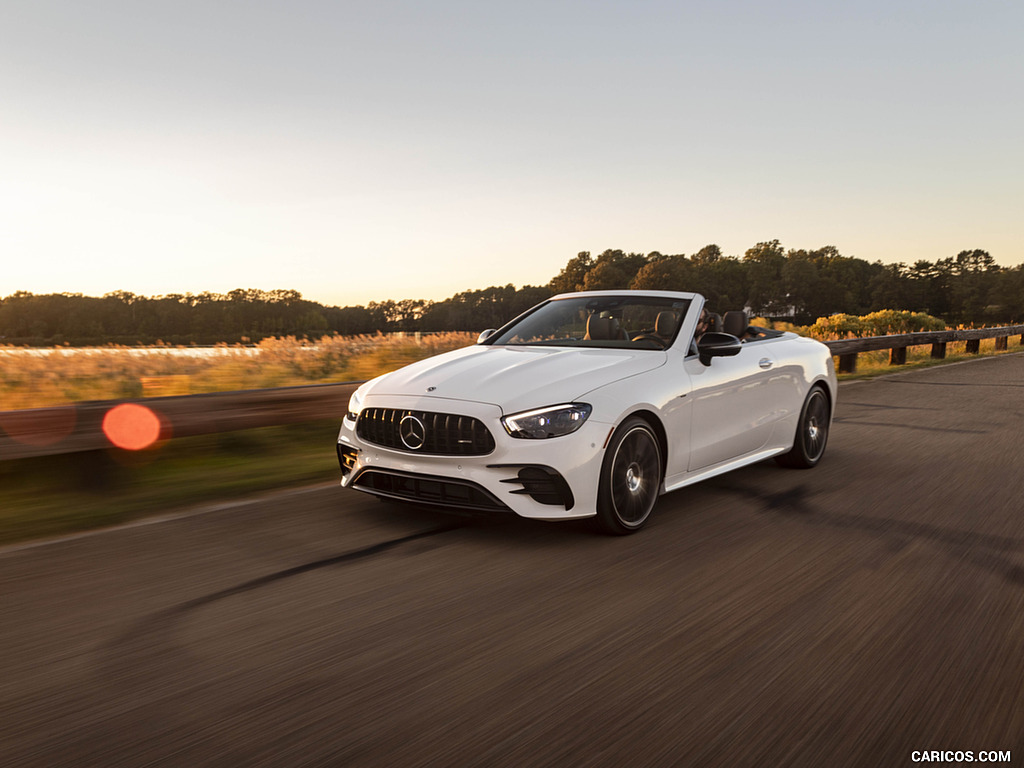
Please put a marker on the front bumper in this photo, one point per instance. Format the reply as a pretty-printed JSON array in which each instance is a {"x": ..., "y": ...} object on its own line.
[{"x": 553, "y": 479}]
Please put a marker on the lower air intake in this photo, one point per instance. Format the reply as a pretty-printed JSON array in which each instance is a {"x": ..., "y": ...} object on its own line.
[{"x": 427, "y": 489}]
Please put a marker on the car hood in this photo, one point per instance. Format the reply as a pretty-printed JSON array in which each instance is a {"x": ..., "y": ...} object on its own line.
[{"x": 516, "y": 378}]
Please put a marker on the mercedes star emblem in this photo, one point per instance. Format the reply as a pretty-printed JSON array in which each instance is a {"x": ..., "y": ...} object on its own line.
[{"x": 412, "y": 432}]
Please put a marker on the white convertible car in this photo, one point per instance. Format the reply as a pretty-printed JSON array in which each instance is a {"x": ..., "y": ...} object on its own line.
[{"x": 590, "y": 404}]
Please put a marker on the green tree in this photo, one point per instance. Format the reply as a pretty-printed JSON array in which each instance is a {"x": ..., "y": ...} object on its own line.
[
  {"x": 613, "y": 270},
  {"x": 766, "y": 291},
  {"x": 975, "y": 276},
  {"x": 722, "y": 280},
  {"x": 664, "y": 273},
  {"x": 573, "y": 275}
]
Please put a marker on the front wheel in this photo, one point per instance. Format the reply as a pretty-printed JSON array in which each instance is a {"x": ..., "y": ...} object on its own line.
[
  {"x": 630, "y": 478},
  {"x": 811, "y": 432}
]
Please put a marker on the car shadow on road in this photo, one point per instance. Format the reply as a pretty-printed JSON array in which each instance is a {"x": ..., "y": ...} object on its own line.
[{"x": 983, "y": 550}]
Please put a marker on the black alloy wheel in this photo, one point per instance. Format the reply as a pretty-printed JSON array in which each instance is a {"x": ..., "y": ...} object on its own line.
[
  {"x": 811, "y": 432},
  {"x": 630, "y": 478}
]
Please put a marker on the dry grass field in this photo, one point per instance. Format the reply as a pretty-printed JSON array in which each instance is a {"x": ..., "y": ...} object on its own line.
[
  {"x": 32, "y": 378},
  {"x": 39, "y": 378}
]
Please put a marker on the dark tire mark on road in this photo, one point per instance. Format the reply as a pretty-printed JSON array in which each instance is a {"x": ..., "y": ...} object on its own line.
[
  {"x": 136, "y": 641},
  {"x": 287, "y": 573},
  {"x": 152, "y": 667}
]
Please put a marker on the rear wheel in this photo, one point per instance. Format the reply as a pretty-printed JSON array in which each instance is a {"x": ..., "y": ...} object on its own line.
[
  {"x": 811, "y": 432},
  {"x": 630, "y": 478}
]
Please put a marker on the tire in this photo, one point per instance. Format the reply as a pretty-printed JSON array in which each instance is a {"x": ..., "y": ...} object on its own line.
[
  {"x": 630, "y": 478},
  {"x": 811, "y": 432}
]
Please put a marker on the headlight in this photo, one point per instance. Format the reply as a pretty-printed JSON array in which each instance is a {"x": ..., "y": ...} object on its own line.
[
  {"x": 542, "y": 423},
  {"x": 355, "y": 405}
]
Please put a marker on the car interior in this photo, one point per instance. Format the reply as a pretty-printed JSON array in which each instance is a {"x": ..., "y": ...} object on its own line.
[
  {"x": 736, "y": 323},
  {"x": 605, "y": 326}
]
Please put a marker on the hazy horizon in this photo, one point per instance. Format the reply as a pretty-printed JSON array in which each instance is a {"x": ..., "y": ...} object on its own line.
[
  {"x": 327, "y": 302},
  {"x": 360, "y": 153}
]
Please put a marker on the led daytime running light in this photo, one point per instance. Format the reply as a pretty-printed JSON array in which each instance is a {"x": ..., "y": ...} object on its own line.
[{"x": 543, "y": 423}]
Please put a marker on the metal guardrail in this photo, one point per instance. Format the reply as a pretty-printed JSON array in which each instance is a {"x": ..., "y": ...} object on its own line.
[
  {"x": 78, "y": 428},
  {"x": 848, "y": 349}
]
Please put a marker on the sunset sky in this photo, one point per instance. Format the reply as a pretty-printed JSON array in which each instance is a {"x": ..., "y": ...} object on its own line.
[{"x": 374, "y": 150}]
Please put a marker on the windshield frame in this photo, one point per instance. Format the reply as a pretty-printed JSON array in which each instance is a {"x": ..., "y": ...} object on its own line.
[{"x": 608, "y": 303}]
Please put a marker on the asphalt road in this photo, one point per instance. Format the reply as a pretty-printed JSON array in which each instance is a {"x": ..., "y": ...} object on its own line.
[{"x": 847, "y": 615}]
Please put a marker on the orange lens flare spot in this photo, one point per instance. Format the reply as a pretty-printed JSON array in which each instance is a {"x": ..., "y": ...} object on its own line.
[{"x": 131, "y": 426}]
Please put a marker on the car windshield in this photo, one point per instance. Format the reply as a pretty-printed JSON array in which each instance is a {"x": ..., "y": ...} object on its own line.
[{"x": 624, "y": 322}]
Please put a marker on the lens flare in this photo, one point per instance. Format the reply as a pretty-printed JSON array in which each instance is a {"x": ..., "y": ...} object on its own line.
[{"x": 131, "y": 426}]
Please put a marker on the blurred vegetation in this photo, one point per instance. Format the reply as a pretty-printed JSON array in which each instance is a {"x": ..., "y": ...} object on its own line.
[
  {"x": 797, "y": 286},
  {"x": 62, "y": 494},
  {"x": 882, "y": 323},
  {"x": 34, "y": 379},
  {"x": 39, "y": 378}
]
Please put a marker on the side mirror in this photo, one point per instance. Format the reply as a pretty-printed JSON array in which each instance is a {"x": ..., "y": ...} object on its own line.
[
  {"x": 485, "y": 335},
  {"x": 714, "y": 344}
]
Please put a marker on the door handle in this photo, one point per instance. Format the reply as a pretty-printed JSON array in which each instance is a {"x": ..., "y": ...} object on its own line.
[{"x": 766, "y": 363}]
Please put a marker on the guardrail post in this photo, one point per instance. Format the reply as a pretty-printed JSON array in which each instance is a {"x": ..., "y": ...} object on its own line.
[
  {"x": 1001, "y": 342},
  {"x": 939, "y": 350},
  {"x": 848, "y": 363},
  {"x": 898, "y": 356},
  {"x": 973, "y": 346}
]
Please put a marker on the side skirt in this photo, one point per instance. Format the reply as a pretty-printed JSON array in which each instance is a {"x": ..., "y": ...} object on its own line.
[{"x": 721, "y": 469}]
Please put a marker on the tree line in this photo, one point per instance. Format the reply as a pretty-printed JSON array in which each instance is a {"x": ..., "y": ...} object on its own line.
[{"x": 768, "y": 280}]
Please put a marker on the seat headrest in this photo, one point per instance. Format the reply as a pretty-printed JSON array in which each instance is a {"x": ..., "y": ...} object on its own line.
[
  {"x": 735, "y": 322},
  {"x": 665, "y": 324},
  {"x": 602, "y": 328}
]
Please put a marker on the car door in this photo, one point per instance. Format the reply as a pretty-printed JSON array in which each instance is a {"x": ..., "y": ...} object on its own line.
[{"x": 731, "y": 405}]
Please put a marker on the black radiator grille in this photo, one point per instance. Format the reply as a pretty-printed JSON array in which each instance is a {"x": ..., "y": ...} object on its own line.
[{"x": 444, "y": 434}]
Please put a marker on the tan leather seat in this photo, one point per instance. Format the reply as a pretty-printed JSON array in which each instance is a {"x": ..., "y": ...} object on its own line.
[
  {"x": 603, "y": 329},
  {"x": 665, "y": 325}
]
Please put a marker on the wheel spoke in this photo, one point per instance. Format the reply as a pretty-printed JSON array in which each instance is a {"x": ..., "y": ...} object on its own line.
[
  {"x": 643, "y": 453},
  {"x": 816, "y": 430},
  {"x": 634, "y": 476}
]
